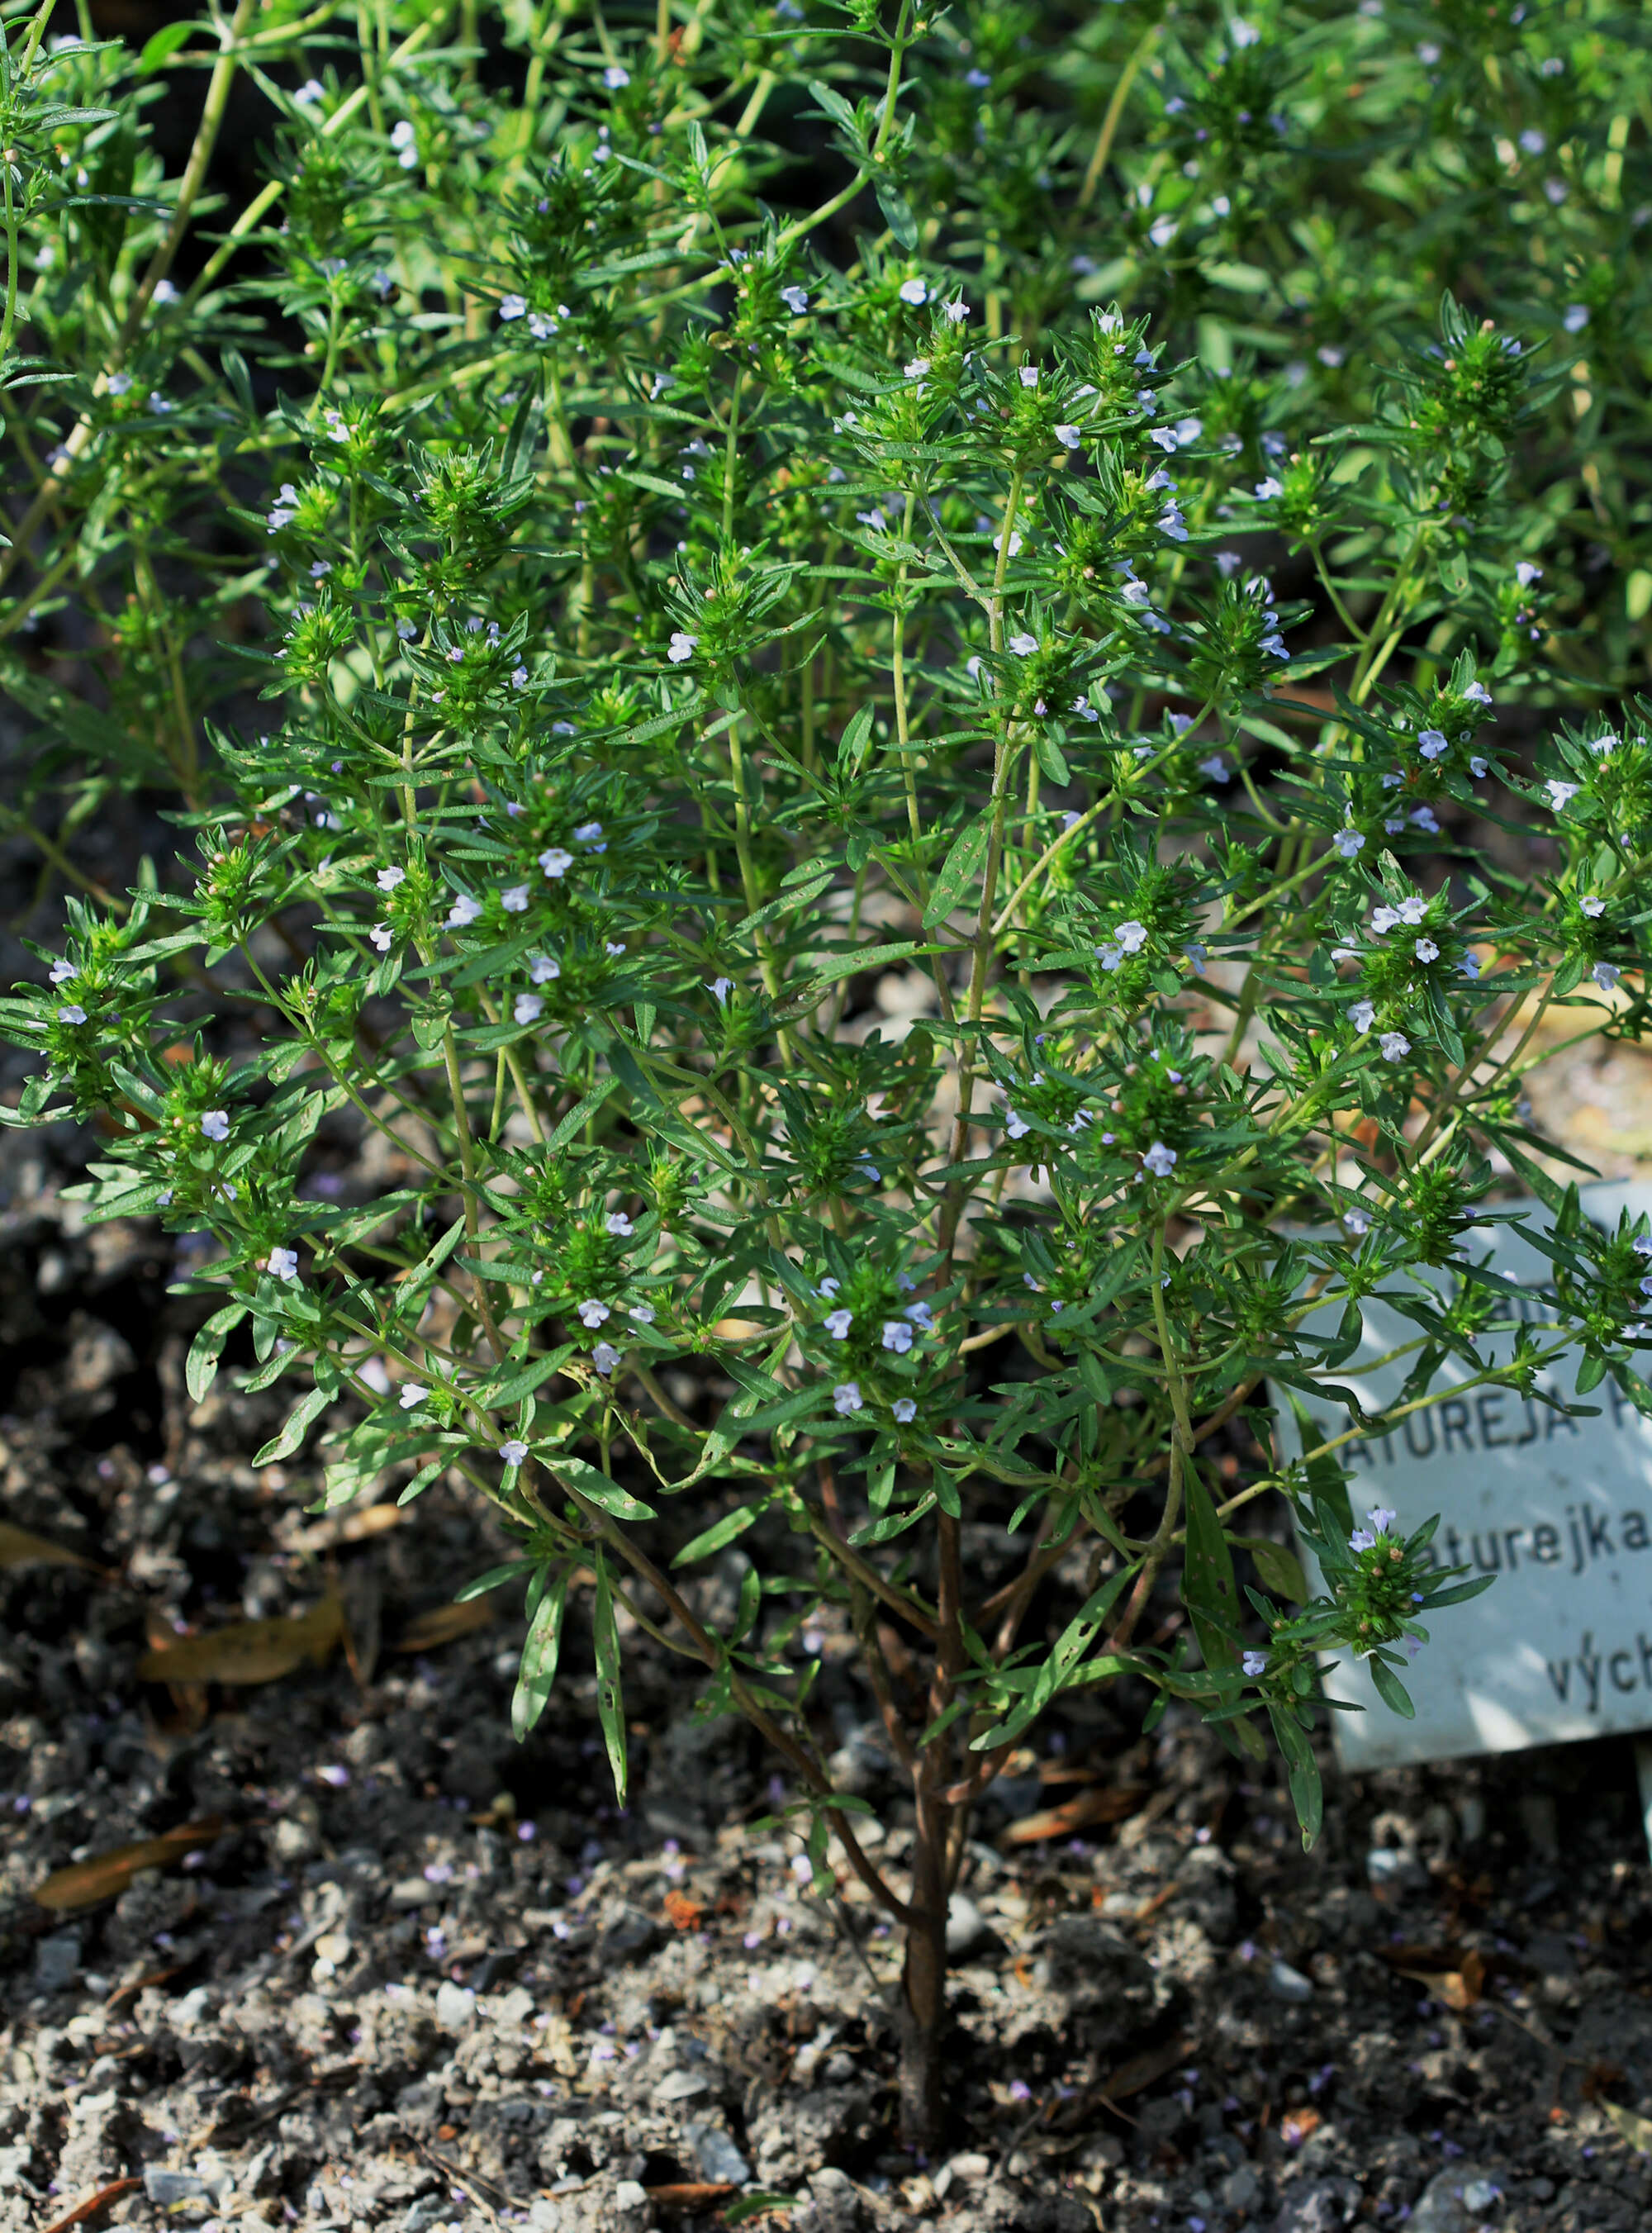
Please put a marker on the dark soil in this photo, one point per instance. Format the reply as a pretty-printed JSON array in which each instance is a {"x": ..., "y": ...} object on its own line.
[{"x": 421, "y": 1976}]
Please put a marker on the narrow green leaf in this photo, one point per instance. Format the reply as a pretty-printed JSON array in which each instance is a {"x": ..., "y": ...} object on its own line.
[
  {"x": 201, "y": 1367},
  {"x": 715, "y": 1537},
  {"x": 963, "y": 861},
  {"x": 1279, "y": 1569},
  {"x": 491, "y": 1581},
  {"x": 1390, "y": 1690},
  {"x": 897, "y": 213},
  {"x": 595, "y": 1487},
  {"x": 610, "y": 1705},
  {"x": 540, "y": 1651},
  {"x": 299, "y": 1421},
  {"x": 1209, "y": 1590},
  {"x": 159, "y": 49}
]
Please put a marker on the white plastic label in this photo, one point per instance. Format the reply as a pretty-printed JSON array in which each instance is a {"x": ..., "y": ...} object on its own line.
[{"x": 1559, "y": 1508}]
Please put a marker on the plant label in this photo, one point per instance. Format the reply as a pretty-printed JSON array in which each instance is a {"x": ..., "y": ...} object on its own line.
[{"x": 1559, "y": 1508}]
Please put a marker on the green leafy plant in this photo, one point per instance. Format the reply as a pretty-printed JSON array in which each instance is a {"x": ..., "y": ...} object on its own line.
[{"x": 679, "y": 633}]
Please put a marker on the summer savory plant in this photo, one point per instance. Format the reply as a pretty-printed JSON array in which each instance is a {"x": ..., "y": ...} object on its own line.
[{"x": 674, "y": 631}]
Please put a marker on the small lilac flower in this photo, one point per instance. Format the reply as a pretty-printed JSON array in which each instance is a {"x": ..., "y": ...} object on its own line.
[
  {"x": 1593, "y": 906},
  {"x": 62, "y": 972},
  {"x": 916, "y": 292},
  {"x": 604, "y": 1358},
  {"x": 411, "y": 1396},
  {"x": 904, "y": 1409},
  {"x": 1362, "y": 1540},
  {"x": 613, "y": 946},
  {"x": 644, "y": 1313},
  {"x": 1358, "y": 1222},
  {"x": 619, "y": 1225},
  {"x": 719, "y": 988},
  {"x": 282, "y": 1264},
  {"x": 1394, "y": 1045},
  {"x": 514, "y": 899},
  {"x": 1469, "y": 966},
  {"x": 1253, "y": 1662},
  {"x": 464, "y": 911},
  {"x": 592, "y": 1313},
  {"x": 1160, "y": 1159},
  {"x": 1023, "y": 645},
  {"x": 681, "y": 647},
  {"x": 513, "y": 306},
  {"x": 1382, "y": 1518},
  {"x": 1477, "y": 768},
  {"x": 846, "y": 1396},
  {"x": 382, "y": 936},
  {"x": 527, "y": 1008},
  {"x": 389, "y": 878},
  {"x": 1561, "y": 794},
  {"x": 1431, "y": 743},
  {"x": 1526, "y": 573},
  {"x": 1426, "y": 950},
  {"x": 590, "y": 833},
  {"x": 1016, "y": 1126},
  {"x": 1069, "y": 437},
  {"x": 216, "y": 1123},
  {"x": 543, "y": 969},
  {"x": 1216, "y": 768},
  {"x": 796, "y": 300},
  {"x": 555, "y": 862},
  {"x": 1606, "y": 974},
  {"x": 1349, "y": 842},
  {"x": 838, "y": 1323},
  {"x": 897, "y": 1336},
  {"x": 615, "y": 75},
  {"x": 513, "y": 1453},
  {"x": 71, "y": 1014},
  {"x": 1362, "y": 1015}
]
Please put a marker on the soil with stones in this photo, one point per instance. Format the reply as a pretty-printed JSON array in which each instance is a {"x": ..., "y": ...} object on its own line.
[{"x": 396, "y": 1971}]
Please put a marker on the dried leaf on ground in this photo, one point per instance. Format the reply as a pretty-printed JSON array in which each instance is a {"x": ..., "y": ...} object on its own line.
[
  {"x": 88, "y": 1883},
  {"x": 250, "y": 1650},
  {"x": 347, "y": 1526},
  {"x": 1636, "y": 2130},
  {"x": 93, "y": 2204},
  {"x": 1103, "y": 1803},
  {"x": 19, "y": 1548},
  {"x": 1456, "y": 1979},
  {"x": 444, "y": 1624}
]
